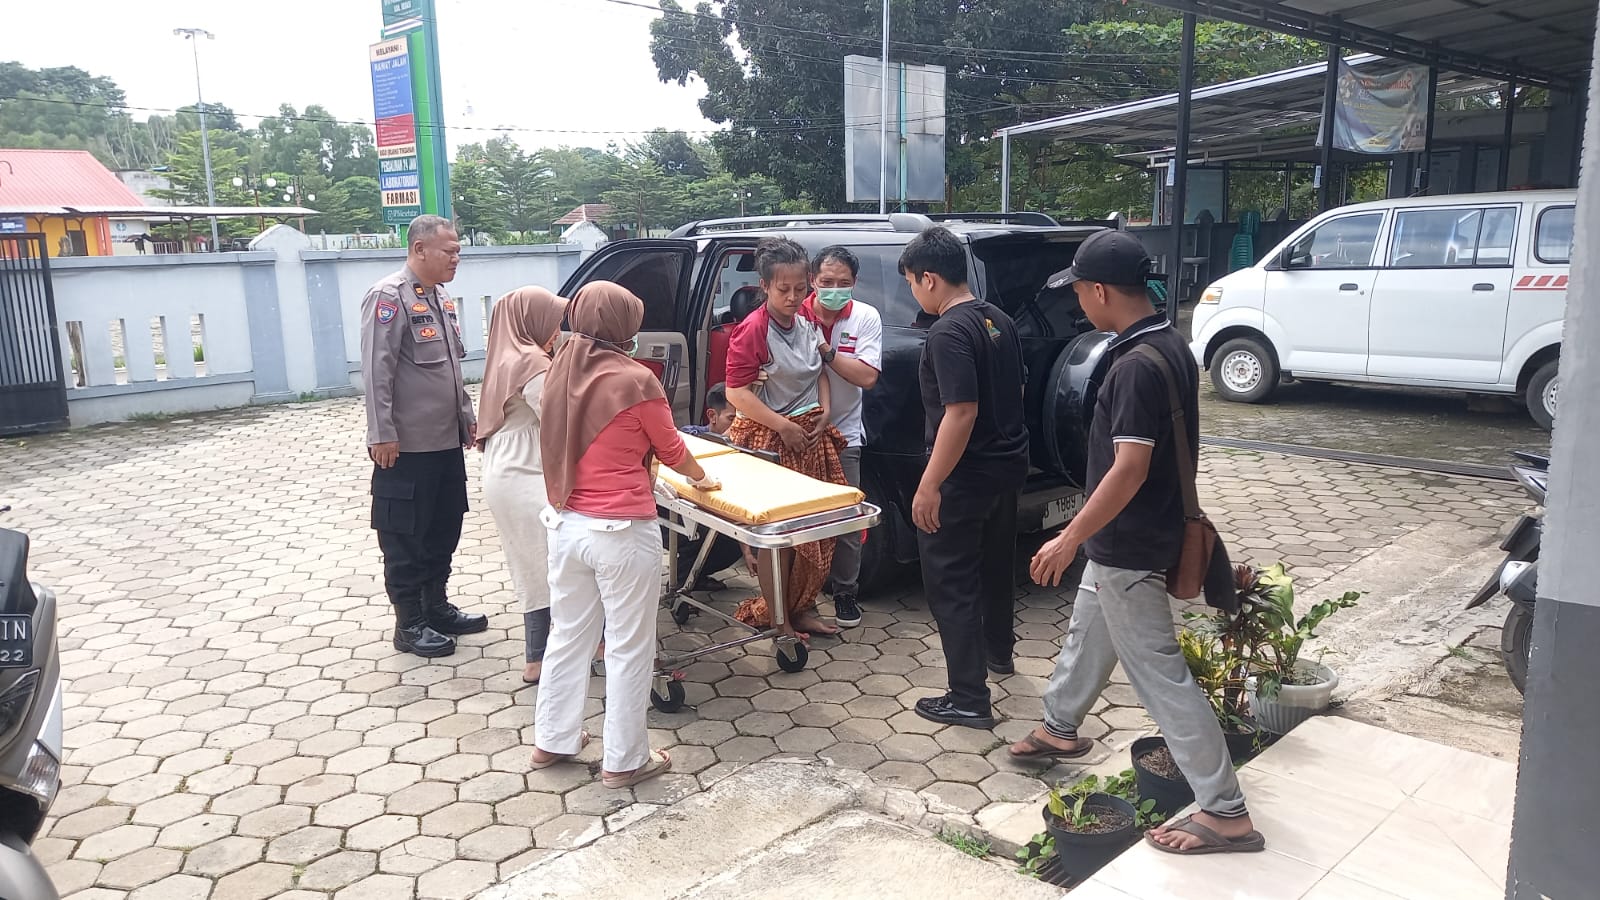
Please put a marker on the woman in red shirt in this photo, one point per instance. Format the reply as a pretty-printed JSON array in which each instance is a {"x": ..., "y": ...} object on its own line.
[{"x": 603, "y": 418}]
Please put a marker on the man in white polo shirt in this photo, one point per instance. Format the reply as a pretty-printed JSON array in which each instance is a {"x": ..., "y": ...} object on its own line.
[{"x": 852, "y": 348}]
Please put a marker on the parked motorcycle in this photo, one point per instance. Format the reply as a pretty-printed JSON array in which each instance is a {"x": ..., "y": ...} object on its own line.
[
  {"x": 1517, "y": 576},
  {"x": 30, "y": 719}
]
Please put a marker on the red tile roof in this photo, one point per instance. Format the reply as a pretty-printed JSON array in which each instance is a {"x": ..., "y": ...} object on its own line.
[
  {"x": 60, "y": 178},
  {"x": 588, "y": 212}
]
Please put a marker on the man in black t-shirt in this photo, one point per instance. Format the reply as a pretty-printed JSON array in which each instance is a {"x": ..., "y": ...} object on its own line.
[
  {"x": 1131, "y": 528},
  {"x": 965, "y": 507}
]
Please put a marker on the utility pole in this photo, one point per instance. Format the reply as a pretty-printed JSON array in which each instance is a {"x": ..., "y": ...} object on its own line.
[
  {"x": 193, "y": 35},
  {"x": 883, "y": 118}
]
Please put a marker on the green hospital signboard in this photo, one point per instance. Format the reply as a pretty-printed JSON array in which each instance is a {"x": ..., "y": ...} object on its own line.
[{"x": 413, "y": 159}]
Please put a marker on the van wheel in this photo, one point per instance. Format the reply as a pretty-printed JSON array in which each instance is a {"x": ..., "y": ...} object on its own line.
[
  {"x": 1544, "y": 389},
  {"x": 1244, "y": 371}
]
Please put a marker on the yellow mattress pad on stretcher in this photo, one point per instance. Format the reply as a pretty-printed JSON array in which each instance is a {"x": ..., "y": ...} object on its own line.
[
  {"x": 757, "y": 492},
  {"x": 701, "y": 448}
]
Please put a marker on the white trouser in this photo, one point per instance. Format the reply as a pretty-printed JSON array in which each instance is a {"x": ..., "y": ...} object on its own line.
[{"x": 605, "y": 576}]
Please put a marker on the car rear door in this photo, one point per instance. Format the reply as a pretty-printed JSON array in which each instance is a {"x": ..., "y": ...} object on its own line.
[
  {"x": 1439, "y": 304},
  {"x": 659, "y": 272}
]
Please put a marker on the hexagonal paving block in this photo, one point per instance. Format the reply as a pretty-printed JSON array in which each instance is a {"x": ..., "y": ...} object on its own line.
[
  {"x": 1011, "y": 786},
  {"x": 418, "y": 855},
  {"x": 902, "y": 774},
  {"x": 334, "y": 872},
  {"x": 421, "y": 799},
  {"x": 763, "y": 724},
  {"x": 496, "y": 843},
  {"x": 457, "y": 820},
  {"x": 319, "y": 789},
  {"x": 968, "y": 768},
  {"x": 531, "y": 809},
  {"x": 76, "y": 877},
  {"x": 860, "y": 757},
  {"x": 304, "y": 845},
  {"x": 382, "y": 832},
  {"x": 457, "y": 767},
  {"x": 116, "y": 843},
  {"x": 909, "y": 747},
  {"x": 378, "y": 887},
  {"x": 492, "y": 787},
  {"x": 456, "y": 880},
  {"x": 257, "y": 882},
  {"x": 90, "y": 821},
  {"x": 173, "y": 887},
  {"x": 290, "y": 770},
  {"x": 962, "y": 798},
  {"x": 274, "y": 821},
  {"x": 389, "y": 778},
  {"x": 138, "y": 869},
  {"x": 595, "y": 799},
  {"x": 351, "y": 809},
  {"x": 247, "y": 799}
]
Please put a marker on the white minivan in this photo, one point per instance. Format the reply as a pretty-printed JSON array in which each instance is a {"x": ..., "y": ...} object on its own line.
[{"x": 1462, "y": 292}]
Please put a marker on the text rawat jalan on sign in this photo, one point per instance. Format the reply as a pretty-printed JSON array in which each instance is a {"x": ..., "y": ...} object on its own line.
[
  {"x": 1385, "y": 113},
  {"x": 395, "y": 120}
]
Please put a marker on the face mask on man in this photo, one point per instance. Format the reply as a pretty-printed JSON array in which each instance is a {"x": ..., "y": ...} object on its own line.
[{"x": 833, "y": 298}]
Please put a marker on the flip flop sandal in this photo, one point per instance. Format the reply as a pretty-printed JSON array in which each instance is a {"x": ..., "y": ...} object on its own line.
[
  {"x": 1038, "y": 749},
  {"x": 583, "y": 741},
  {"x": 1211, "y": 842},
  {"x": 658, "y": 764}
]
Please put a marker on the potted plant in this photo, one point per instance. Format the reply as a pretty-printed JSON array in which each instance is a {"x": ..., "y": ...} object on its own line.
[
  {"x": 1038, "y": 859},
  {"x": 1088, "y": 827},
  {"x": 1157, "y": 778},
  {"x": 1285, "y": 689},
  {"x": 1217, "y": 648}
]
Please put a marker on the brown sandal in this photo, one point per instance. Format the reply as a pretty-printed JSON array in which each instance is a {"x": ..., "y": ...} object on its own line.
[
  {"x": 659, "y": 763},
  {"x": 1039, "y": 750},
  {"x": 1211, "y": 842}
]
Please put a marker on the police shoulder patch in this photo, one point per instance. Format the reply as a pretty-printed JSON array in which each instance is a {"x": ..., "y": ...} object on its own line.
[{"x": 387, "y": 310}]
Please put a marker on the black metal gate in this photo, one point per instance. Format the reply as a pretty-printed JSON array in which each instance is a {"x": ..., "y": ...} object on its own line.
[{"x": 33, "y": 384}]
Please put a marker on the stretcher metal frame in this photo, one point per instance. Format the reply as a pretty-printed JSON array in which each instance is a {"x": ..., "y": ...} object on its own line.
[{"x": 683, "y": 518}]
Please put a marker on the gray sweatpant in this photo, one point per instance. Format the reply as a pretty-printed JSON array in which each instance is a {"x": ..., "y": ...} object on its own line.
[
  {"x": 847, "y": 549},
  {"x": 1126, "y": 615}
]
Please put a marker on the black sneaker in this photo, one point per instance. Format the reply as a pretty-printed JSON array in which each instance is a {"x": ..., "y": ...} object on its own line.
[
  {"x": 943, "y": 711},
  {"x": 846, "y": 611},
  {"x": 1002, "y": 668}
]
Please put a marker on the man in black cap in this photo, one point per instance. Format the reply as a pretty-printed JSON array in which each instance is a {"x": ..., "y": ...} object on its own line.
[{"x": 1131, "y": 528}]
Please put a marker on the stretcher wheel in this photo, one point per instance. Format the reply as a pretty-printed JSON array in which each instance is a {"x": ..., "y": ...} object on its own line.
[
  {"x": 672, "y": 702},
  {"x": 682, "y": 611},
  {"x": 792, "y": 656}
]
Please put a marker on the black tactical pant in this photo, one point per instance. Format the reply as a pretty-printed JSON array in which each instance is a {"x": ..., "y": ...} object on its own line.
[
  {"x": 417, "y": 508},
  {"x": 967, "y": 574}
]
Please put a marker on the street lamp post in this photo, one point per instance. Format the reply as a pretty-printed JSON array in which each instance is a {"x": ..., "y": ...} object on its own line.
[{"x": 193, "y": 35}]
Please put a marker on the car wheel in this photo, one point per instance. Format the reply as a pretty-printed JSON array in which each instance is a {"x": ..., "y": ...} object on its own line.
[
  {"x": 877, "y": 554},
  {"x": 1544, "y": 390},
  {"x": 1244, "y": 370}
]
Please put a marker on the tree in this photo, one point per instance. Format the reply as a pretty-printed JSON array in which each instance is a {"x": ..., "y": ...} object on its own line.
[
  {"x": 646, "y": 197},
  {"x": 477, "y": 204},
  {"x": 673, "y": 153},
  {"x": 514, "y": 187}
]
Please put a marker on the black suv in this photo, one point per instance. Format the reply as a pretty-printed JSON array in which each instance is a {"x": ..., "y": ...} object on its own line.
[{"x": 697, "y": 281}]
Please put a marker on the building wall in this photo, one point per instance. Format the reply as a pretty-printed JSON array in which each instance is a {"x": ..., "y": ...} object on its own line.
[
  {"x": 96, "y": 231},
  {"x": 191, "y": 332}
]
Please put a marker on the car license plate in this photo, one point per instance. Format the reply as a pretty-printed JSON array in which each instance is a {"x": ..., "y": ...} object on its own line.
[
  {"x": 16, "y": 641},
  {"x": 1060, "y": 510}
]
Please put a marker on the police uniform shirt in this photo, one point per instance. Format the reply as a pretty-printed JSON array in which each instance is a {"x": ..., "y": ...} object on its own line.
[{"x": 411, "y": 352}]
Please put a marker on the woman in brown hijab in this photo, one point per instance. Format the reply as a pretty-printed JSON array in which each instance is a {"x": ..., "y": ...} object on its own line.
[
  {"x": 604, "y": 416},
  {"x": 522, "y": 332}
]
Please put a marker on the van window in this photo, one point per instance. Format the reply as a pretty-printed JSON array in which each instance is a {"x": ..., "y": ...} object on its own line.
[
  {"x": 1450, "y": 238},
  {"x": 1553, "y": 243},
  {"x": 1344, "y": 243},
  {"x": 736, "y": 269}
]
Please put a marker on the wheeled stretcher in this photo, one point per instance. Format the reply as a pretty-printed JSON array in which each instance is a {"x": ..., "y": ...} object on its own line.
[{"x": 765, "y": 507}]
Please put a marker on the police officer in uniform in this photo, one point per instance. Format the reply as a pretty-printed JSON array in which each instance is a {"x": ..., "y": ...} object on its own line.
[{"x": 419, "y": 420}]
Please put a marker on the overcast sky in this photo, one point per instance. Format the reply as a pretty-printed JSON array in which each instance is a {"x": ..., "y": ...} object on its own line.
[{"x": 575, "y": 65}]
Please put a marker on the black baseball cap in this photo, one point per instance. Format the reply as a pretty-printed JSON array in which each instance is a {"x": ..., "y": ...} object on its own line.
[{"x": 1109, "y": 257}]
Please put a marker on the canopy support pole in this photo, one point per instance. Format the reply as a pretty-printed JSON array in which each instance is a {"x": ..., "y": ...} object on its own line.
[{"x": 1180, "y": 168}]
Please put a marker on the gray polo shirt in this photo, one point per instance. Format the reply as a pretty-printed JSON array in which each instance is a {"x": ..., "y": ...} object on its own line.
[{"x": 411, "y": 352}]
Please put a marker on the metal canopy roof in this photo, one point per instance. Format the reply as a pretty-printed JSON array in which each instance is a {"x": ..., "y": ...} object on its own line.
[
  {"x": 1546, "y": 42},
  {"x": 1259, "y": 106}
]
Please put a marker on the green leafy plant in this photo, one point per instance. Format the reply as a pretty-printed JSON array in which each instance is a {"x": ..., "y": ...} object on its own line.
[
  {"x": 1275, "y": 657},
  {"x": 966, "y": 843},
  {"x": 1036, "y": 853},
  {"x": 1120, "y": 785}
]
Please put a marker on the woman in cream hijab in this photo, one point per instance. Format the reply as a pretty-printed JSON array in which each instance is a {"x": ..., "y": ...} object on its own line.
[{"x": 522, "y": 332}]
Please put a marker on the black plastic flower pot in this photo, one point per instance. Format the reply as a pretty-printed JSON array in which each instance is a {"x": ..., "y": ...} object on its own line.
[
  {"x": 1081, "y": 854},
  {"x": 1244, "y": 745},
  {"x": 1170, "y": 794}
]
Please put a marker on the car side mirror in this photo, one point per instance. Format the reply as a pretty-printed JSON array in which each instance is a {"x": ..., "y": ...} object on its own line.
[{"x": 1291, "y": 260}]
